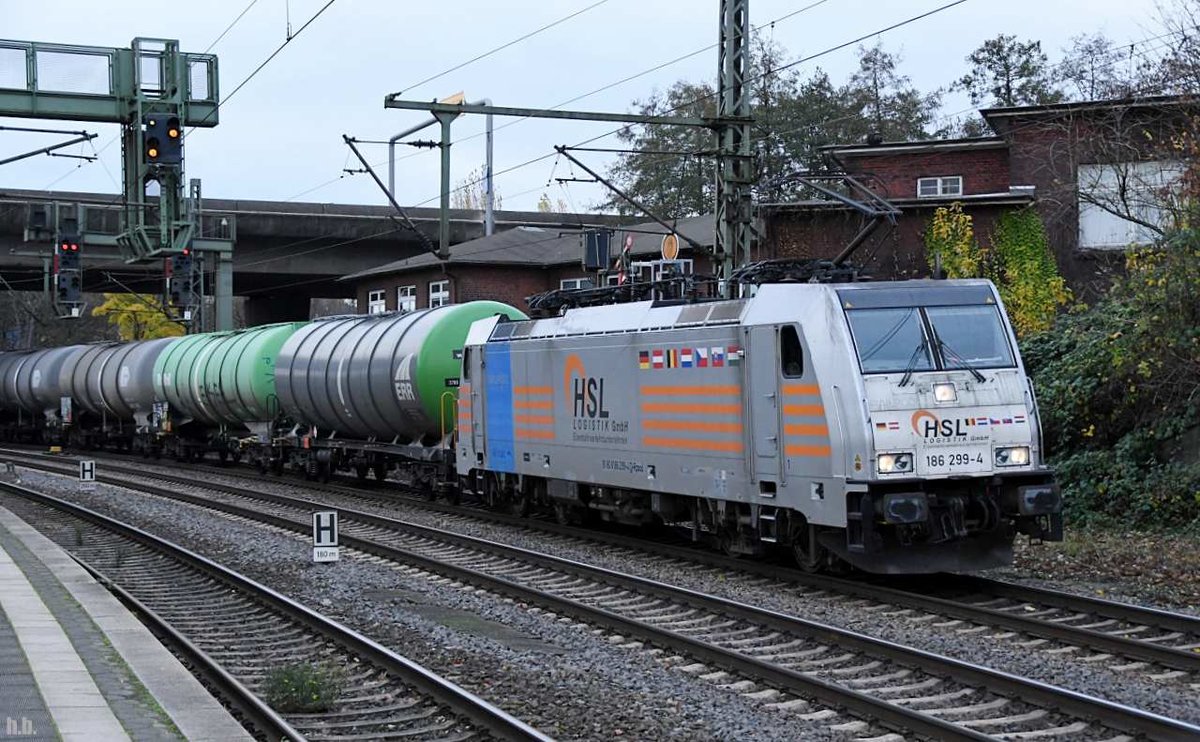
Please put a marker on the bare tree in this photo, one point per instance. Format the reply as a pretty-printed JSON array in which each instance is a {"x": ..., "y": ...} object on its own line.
[{"x": 471, "y": 192}]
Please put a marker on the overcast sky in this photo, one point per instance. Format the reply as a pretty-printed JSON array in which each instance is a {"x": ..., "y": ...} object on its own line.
[{"x": 280, "y": 136}]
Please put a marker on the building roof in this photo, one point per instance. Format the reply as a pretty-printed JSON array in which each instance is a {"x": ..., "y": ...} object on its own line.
[
  {"x": 915, "y": 147},
  {"x": 1152, "y": 101},
  {"x": 540, "y": 247}
]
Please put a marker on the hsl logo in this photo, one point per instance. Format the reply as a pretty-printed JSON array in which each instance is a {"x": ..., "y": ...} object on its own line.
[
  {"x": 929, "y": 425},
  {"x": 586, "y": 392}
]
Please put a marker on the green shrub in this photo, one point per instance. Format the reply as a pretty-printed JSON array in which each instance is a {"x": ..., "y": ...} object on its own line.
[
  {"x": 1118, "y": 385},
  {"x": 304, "y": 687}
]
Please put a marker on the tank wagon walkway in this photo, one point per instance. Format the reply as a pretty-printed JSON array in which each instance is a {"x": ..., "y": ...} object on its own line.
[{"x": 77, "y": 665}]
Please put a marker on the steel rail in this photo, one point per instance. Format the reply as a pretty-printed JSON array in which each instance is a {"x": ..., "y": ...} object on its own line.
[
  {"x": 470, "y": 706},
  {"x": 1125, "y": 646},
  {"x": 263, "y": 717},
  {"x": 1112, "y": 714}
]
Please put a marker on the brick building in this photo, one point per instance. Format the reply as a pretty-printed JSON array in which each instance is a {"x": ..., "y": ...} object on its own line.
[
  {"x": 1083, "y": 166},
  {"x": 510, "y": 266},
  {"x": 1095, "y": 171}
]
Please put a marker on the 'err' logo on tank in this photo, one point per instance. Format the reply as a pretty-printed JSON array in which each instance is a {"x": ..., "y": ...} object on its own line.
[{"x": 403, "y": 380}]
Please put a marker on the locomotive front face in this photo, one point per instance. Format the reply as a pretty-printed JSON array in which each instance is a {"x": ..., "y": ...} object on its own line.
[{"x": 951, "y": 415}]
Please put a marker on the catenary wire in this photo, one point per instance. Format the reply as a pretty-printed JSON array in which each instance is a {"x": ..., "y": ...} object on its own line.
[
  {"x": 685, "y": 104},
  {"x": 502, "y": 47},
  {"x": 264, "y": 63},
  {"x": 603, "y": 88}
]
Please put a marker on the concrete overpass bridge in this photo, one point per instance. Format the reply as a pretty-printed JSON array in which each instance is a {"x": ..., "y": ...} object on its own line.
[{"x": 285, "y": 254}]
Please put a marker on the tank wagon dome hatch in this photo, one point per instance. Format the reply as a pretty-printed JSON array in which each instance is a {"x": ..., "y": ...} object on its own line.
[
  {"x": 380, "y": 376},
  {"x": 222, "y": 378}
]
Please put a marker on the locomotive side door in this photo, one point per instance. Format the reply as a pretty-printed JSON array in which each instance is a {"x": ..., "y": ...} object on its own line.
[{"x": 761, "y": 416}]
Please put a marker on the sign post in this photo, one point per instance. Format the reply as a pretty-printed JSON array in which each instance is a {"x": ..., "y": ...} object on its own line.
[
  {"x": 87, "y": 474},
  {"x": 325, "y": 536}
]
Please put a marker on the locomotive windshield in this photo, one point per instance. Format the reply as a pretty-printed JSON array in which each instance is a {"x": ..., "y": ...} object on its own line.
[{"x": 907, "y": 339}]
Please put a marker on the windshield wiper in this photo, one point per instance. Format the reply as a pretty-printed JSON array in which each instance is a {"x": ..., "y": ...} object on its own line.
[
  {"x": 912, "y": 360},
  {"x": 962, "y": 362}
]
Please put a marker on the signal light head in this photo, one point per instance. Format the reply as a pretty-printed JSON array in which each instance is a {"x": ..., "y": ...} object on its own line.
[{"x": 173, "y": 133}]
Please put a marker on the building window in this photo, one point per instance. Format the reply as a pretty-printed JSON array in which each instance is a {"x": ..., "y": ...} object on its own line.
[
  {"x": 376, "y": 302},
  {"x": 612, "y": 279},
  {"x": 667, "y": 268},
  {"x": 439, "y": 293},
  {"x": 1108, "y": 193},
  {"x": 406, "y": 298},
  {"x": 576, "y": 283},
  {"x": 948, "y": 185}
]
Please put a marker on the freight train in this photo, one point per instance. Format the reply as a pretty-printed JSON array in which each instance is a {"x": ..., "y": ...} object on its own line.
[{"x": 889, "y": 426}]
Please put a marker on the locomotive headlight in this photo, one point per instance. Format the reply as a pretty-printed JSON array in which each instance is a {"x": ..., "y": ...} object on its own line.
[
  {"x": 1012, "y": 456},
  {"x": 944, "y": 392},
  {"x": 892, "y": 463}
]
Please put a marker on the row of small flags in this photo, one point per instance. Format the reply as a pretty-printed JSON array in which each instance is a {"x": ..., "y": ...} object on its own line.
[
  {"x": 981, "y": 421},
  {"x": 977, "y": 422},
  {"x": 716, "y": 356}
]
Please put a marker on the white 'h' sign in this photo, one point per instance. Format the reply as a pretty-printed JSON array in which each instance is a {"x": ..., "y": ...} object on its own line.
[
  {"x": 325, "y": 536},
  {"x": 87, "y": 471}
]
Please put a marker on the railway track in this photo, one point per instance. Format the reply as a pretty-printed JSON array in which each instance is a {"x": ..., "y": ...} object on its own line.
[
  {"x": 900, "y": 687},
  {"x": 1127, "y": 638},
  {"x": 234, "y": 630}
]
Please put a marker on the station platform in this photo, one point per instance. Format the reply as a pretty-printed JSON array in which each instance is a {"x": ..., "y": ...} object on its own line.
[{"x": 75, "y": 664}]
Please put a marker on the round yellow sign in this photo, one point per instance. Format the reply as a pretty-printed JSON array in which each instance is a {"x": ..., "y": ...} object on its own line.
[{"x": 670, "y": 247}]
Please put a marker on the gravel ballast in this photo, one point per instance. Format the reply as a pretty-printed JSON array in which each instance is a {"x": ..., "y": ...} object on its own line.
[
  {"x": 1133, "y": 687},
  {"x": 560, "y": 676}
]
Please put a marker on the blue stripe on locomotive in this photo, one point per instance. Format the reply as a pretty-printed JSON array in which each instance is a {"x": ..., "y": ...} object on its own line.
[{"x": 498, "y": 421}]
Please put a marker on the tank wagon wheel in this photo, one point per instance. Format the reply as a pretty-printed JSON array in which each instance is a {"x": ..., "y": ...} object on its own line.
[
  {"x": 380, "y": 471},
  {"x": 277, "y": 467},
  {"x": 361, "y": 471},
  {"x": 260, "y": 466},
  {"x": 223, "y": 456}
]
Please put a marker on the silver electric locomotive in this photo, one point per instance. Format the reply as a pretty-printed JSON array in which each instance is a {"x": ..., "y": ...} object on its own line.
[{"x": 886, "y": 425}]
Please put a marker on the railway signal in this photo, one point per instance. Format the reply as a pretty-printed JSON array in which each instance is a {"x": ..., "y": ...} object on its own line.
[
  {"x": 162, "y": 140},
  {"x": 183, "y": 284},
  {"x": 68, "y": 276}
]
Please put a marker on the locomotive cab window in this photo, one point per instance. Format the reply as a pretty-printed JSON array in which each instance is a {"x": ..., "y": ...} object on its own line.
[
  {"x": 907, "y": 339},
  {"x": 791, "y": 355},
  {"x": 971, "y": 336},
  {"x": 890, "y": 340}
]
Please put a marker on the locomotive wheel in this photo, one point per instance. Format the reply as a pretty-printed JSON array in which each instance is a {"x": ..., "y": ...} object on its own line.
[
  {"x": 277, "y": 467},
  {"x": 808, "y": 559},
  {"x": 726, "y": 541},
  {"x": 519, "y": 503},
  {"x": 223, "y": 456},
  {"x": 567, "y": 514},
  {"x": 261, "y": 466}
]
